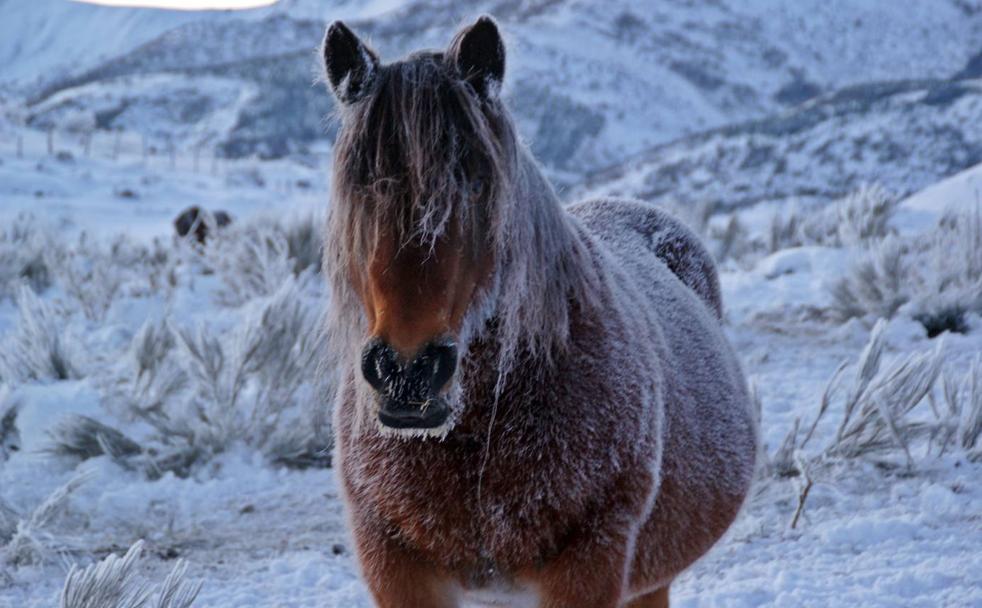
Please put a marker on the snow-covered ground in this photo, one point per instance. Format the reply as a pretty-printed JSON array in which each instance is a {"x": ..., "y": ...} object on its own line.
[
  {"x": 873, "y": 531},
  {"x": 105, "y": 314}
]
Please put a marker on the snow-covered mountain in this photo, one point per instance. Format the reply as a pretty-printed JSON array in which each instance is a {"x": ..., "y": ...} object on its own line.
[
  {"x": 905, "y": 134},
  {"x": 593, "y": 84}
]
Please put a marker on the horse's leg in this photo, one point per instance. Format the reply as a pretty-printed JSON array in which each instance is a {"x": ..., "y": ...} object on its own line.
[
  {"x": 397, "y": 576},
  {"x": 655, "y": 599},
  {"x": 591, "y": 571}
]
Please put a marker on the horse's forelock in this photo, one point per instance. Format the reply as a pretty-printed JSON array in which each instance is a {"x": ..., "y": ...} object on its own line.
[
  {"x": 405, "y": 159},
  {"x": 413, "y": 146}
]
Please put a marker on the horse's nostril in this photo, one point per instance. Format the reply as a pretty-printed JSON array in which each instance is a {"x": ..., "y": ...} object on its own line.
[
  {"x": 438, "y": 361},
  {"x": 378, "y": 364},
  {"x": 417, "y": 381}
]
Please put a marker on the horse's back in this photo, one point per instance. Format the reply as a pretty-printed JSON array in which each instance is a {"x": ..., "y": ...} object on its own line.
[
  {"x": 709, "y": 435},
  {"x": 666, "y": 237}
]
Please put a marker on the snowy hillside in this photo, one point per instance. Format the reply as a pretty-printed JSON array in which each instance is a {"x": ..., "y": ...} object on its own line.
[
  {"x": 828, "y": 152},
  {"x": 906, "y": 135},
  {"x": 692, "y": 66}
]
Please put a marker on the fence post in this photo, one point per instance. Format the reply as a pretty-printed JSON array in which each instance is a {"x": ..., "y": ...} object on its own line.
[
  {"x": 172, "y": 151},
  {"x": 51, "y": 141},
  {"x": 20, "y": 146}
]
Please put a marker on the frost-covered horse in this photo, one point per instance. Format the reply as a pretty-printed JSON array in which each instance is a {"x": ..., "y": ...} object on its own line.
[{"x": 534, "y": 402}]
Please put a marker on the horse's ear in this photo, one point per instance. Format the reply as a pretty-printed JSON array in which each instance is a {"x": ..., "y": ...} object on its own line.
[
  {"x": 350, "y": 64},
  {"x": 479, "y": 55}
]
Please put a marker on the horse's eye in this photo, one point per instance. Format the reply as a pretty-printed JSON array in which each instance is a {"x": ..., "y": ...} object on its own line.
[{"x": 477, "y": 187}]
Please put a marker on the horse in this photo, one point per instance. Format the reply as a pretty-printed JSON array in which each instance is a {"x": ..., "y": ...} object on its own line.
[{"x": 536, "y": 404}]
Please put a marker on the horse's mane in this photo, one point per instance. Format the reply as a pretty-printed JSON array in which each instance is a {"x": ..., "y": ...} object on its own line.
[{"x": 407, "y": 154}]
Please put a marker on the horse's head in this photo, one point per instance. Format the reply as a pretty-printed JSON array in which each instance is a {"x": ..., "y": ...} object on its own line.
[{"x": 419, "y": 167}]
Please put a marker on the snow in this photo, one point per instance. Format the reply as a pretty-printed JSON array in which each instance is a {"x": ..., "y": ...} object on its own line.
[
  {"x": 67, "y": 35},
  {"x": 872, "y": 532},
  {"x": 262, "y": 536},
  {"x": 960, "y": 191}
]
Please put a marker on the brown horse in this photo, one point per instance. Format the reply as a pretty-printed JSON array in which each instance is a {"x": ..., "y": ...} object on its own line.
[{"x": 535, "y": 404}]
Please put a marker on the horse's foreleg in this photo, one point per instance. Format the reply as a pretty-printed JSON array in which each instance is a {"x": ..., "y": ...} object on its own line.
[
  {"x": 398, "y": 577},
  {"x": 591, "y": 571},
  {"x": 581, "y": 578}
]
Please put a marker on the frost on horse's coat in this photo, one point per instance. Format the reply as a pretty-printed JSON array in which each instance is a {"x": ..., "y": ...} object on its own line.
[{"x": 588, "y": 469}]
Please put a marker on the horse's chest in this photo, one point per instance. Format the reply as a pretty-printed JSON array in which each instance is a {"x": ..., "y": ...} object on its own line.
[{"x": 481, "y": 512}]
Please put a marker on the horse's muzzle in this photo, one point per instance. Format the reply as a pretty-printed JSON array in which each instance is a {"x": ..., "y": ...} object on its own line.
[{"x": 410, "y": 391}]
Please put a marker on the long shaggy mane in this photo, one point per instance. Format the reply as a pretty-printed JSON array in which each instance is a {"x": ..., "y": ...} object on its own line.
[{"x": 409, "y": 157}]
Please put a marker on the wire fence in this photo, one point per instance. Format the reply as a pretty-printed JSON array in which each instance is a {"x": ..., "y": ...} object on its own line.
[{"x": 136, "y": 148}]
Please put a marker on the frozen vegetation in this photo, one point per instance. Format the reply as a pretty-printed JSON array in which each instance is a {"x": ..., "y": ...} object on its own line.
[
  {"x": 160, "y": 391},
  {"x": 165, "y": 433}
]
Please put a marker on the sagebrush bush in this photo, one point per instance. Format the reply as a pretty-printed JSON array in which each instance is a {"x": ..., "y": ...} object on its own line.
[
  {"x": 31, "y": 541},
  {"x": 857, "y": 219},
  {"x": 204, "y": 391},
  {"x": 93, "y": 274},
  {"x": 39, "y": 347},
  {"x": 114, "y": 583},
  {"x": 877, "y": 284},
  {"x": 963, "y": 407},
  {"x": 24, "y": 242},
  {"x": 254, "y": 258},
  {"x": 882, "y": 412},
  {"x": 934, "y": 278}
]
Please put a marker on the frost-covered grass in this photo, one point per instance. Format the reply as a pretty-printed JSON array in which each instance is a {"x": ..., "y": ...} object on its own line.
[
  {"x": 196, "y": 420},
  {"x": 40, "y": 347},
  {"x": 935, "y": 278},
  {"x": 114, "y": 583},
  {"x": 859, "y": 218},
  {"x": 23, "y": 244},
  {"x": 247, "y": 376},
  {"x": 880, "y": 409}
]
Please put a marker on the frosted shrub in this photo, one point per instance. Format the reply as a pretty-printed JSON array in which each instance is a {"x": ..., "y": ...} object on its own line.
[
  {"x": 92, "y": 275},
  {"x": 936, "y": 278},
  {"x": 83, "y": 437},
  {"x": 305, "y": 243},
  {"x": 39, "y": 347},
  {"x": 203, "y": 391},
  {"x": 878, "y": 407},
  {"x": 254, "y": 259},
  {"x": 32, "y": 542},
  {"x": 858, "y": 219},
  {"x": 245, "y": 382},
  {"x": 949, "y": 284},
  {"x": 23, "y": 243},
  {"x": 863, "y": 216},
  {"x": 878, "y": 283},
  {"x": 963, "y": 407},
  {"x": 114, "y": 583}
]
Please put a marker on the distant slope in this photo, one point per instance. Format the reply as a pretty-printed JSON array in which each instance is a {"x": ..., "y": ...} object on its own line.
[
  {"x": 43, "y": 40},
  {"x": 905, "y": 135},
  {"x": 592, "y": 84}
]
